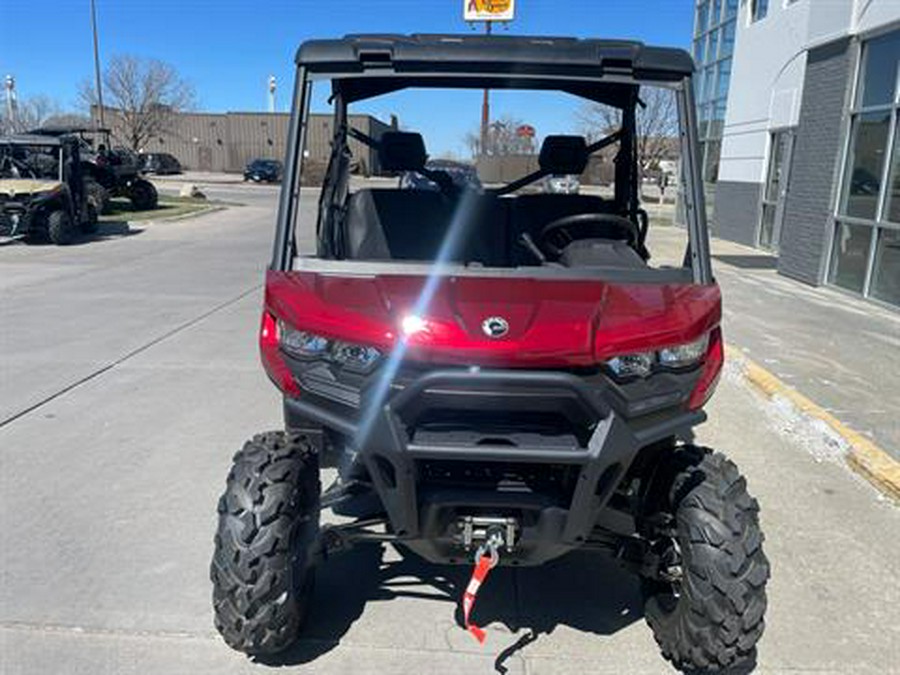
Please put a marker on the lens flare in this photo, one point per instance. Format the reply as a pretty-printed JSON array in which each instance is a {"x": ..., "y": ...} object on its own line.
[{"x": 377, "y": 395}]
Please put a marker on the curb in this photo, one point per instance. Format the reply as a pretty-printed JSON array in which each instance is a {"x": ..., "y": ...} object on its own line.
[
  {"x": 184, "y": 216},
  {"x": 863, "y": 456}
]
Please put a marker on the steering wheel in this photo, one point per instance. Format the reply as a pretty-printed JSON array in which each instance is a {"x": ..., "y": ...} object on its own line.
[{"x": 597, "y": 222}]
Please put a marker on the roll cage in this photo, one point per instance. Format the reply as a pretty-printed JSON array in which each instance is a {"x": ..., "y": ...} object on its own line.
[{"x": 604, "y": 71}]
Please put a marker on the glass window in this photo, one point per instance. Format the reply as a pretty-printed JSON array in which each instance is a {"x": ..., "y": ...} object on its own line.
[
  {"x": 775, "y": 167},
  {"x": 865, "y": 163},
  {"x": 728, "y": 38},
  {"x": 878, "y": 81},
  {"x": 850, "y": 256},
  {"x": 758, "y": 9},
  {"x": 724, "y": 78},
  {"x": 767, "y": 225},
  {"x": 711, "y": 163},
  {"x": 713, "y": 51},
  {"x": 698, "y": 49},
  {"x": 731, "y": 7},
  {"x": 716, "y": 12},
  {"x": 886, "y": 275},
  {"x": 702, "y": 11},
  {"x": 892, "y": 213},
  {"x": 709, "y": 79}
]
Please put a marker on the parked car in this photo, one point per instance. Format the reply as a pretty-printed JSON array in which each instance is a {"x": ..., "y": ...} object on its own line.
[
  {"x": 263, "y": 170},
  {"x": 160, "y": 163},
  {"x": 462, "y": 175}
]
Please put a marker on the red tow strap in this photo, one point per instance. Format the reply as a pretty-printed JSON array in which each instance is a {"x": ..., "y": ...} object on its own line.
[{"x": 484, "y": 565}]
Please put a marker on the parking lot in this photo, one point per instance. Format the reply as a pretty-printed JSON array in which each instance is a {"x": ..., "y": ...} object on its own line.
[{"x": 130, "y": 376}]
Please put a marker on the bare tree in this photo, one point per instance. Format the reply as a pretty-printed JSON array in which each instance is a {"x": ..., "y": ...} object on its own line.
[
  {"x": 30, "y": 113},
  {"x": 142, "y": 98},
  {"x": 657, "y": 125}
]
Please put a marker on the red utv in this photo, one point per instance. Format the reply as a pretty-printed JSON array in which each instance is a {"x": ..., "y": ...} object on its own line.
[{"x": 495, "y": 375}]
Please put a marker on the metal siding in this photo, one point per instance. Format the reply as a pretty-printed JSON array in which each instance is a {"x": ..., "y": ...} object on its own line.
[{"x": 230, "y": 140}]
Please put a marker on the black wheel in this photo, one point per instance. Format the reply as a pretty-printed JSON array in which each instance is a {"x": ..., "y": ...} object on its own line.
[
  {"x": 97, "y": 195},
  {"x": 60, "y": 228},
  {"x": 143, "y": 195},
  {"x": 89, "y": 224},
  {"x": 262, "y": 569},
  {"x": 706, "y": 610}
]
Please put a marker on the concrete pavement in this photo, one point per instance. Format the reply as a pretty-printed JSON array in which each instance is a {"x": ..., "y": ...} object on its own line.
[
  {"x": 108, "y": 491},
  {"x": 832, "y": 347}
]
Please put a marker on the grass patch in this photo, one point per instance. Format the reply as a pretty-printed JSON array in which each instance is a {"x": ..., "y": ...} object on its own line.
[{"x": 168, "y": 207}]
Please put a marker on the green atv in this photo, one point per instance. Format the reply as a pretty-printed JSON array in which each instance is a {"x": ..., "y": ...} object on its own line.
[{"x": 43, "y": 191}]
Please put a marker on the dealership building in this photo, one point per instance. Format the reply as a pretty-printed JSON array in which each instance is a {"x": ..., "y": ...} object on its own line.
[
  {"x": 229, "y": 141},
  {"x": 798, "y": 105}
]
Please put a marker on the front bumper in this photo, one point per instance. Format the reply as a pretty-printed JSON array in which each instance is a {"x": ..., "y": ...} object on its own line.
[{"x": 383, "y": 434}]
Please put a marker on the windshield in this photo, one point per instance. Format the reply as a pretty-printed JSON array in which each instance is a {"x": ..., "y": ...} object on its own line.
[
  {"x": 552, "y": 182},
  {"x": 40, "y": 162}
]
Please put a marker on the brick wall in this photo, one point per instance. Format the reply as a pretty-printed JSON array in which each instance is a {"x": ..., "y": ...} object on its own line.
[{"x": 814, "y": 173}]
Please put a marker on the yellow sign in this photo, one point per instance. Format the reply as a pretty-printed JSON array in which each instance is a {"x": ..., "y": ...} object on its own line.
[{"x": 489, "y": 10}]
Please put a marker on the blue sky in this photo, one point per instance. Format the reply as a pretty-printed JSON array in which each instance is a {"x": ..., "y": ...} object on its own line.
[{"x": 228, "y": 48}]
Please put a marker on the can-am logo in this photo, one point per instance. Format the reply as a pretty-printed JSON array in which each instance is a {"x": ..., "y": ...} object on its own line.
[{"x": 495, "y": 326}]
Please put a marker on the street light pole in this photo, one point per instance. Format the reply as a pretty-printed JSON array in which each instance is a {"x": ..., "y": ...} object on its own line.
[
  {"x": 97, "y": 63},
  {"x": 485, "y": 105}
]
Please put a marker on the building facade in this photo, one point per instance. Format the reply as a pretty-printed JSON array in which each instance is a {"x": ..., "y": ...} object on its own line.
[
  {"x": 229, "y": 141},
  {"x": 809, "y": 167},
  {"x": 715, "y": 26}
]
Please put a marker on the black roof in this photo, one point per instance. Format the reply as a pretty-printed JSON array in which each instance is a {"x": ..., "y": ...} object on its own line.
[
  {"x": 533, "y": 55},
  {"x": 56, "y": 130},
  {"x": 31, "y": 139},
  {"x": 607, "y": 71}
]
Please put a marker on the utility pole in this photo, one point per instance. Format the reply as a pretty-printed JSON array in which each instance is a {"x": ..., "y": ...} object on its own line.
[
  {"x": 97, "y": 63},
  {"x": 10, "y": 85},
  {"x": 486, "y": 104}
]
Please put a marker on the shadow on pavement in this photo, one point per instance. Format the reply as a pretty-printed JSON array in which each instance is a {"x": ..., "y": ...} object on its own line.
[
  {"x": 111, "y": 229},
  {"x": 588, "y": 592},
  {"x": 749, "y": 262}
]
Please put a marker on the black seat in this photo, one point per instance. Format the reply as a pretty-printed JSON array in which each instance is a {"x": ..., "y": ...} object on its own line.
[
  {"x": 393, "y": 224},
  {"x": 402, "y": 224}
]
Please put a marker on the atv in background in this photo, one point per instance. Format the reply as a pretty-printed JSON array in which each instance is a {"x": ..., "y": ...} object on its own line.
[
  {"x": 43, "y": 191},
  {"x": 117, "y": 169},
  {"x": 490, "y": 377}
]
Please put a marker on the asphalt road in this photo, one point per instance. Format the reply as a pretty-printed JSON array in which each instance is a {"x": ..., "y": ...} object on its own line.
[{"x": 129, "y": 376}]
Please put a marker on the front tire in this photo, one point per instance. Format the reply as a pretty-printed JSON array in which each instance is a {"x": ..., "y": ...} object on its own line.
[
  {"x": 262, "y": 569},
  {"x": 143, "y": 195},
  {"x": 711, "y": 618},
  {"x": 60, "y": 228}
]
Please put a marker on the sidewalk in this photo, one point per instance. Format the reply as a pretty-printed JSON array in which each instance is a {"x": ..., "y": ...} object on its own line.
[{"x": 837, "y": 350}]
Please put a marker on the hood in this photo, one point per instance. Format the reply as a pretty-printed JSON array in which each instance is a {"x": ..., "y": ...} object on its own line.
[
  {"x": 12, "y": 187},
  {"x": 550, "y": 322}
]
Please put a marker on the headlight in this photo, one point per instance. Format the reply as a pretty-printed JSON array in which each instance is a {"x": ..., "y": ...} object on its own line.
[
  {"x": 642, "y": 364},
  {"x": 355, "y": 357},
  {"x": 299, "y": 342},
  {"x": 682, "y": 356},
  {"x": 632, "y": 365},
  {"x": 303, "y": 345}
]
